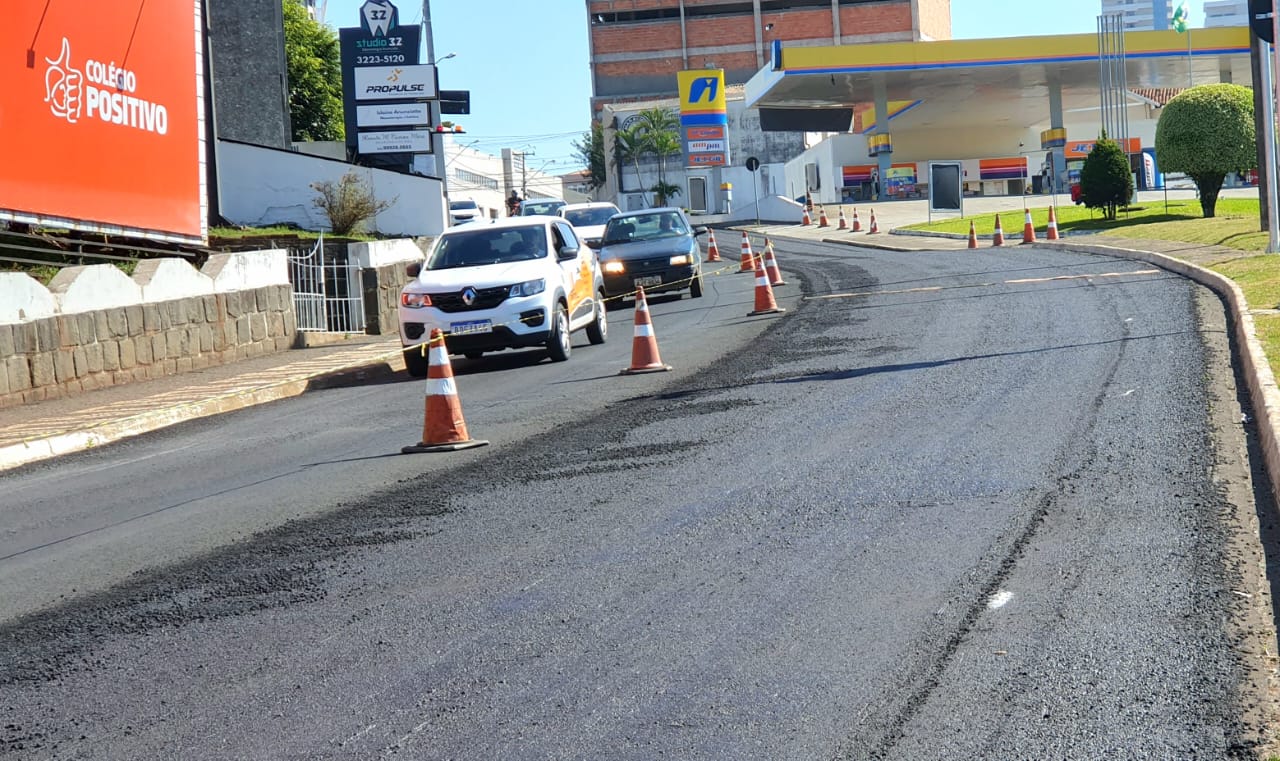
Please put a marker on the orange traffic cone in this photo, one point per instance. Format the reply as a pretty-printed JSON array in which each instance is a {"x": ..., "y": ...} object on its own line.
[
  {"x": 1028, "y": 229},
  {"x": 973, "y": 235},
  {"x": 713, "y": 251},
  {"x": 857, "y": 224},
  {"x": 765, "y": 303},
  {"x": 997, "y": 239},
  {"x": 1053, "y": 225},
  {"x": 844, "y": 223},
  {"x": 644, "y": 347},
  {"x": 771, "y": 265},
  {"x": 443, "y": 429},
  {"x": 806, "y": 220},
  {"x": 874, "y": 227},
  {"x": 822, "y": 217},
  {"x": 745, "y": 263},
  {"x": 808, "y": 200}
]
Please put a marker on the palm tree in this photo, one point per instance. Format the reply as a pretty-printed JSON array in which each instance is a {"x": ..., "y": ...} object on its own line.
[{"x": 630, "y": 146}]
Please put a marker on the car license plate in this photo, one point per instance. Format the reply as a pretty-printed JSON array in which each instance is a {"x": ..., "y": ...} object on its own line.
[
  {"x": 648, "y": 282},
  {"x": 473, "y": 326}
]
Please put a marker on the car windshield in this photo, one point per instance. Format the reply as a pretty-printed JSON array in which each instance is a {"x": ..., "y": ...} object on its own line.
[
  {"x": 459, "y": 205},
  {"x": 541, "y": 207},
  {"x": 488, "y": 246},
  {"x": 589, "y": 217},
  {"x": 666, "y": 224}
]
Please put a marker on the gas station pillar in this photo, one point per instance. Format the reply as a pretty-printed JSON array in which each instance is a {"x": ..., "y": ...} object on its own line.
[
  {"x": 1058, "y": 146},
  {"x": 884, "y": 160}
]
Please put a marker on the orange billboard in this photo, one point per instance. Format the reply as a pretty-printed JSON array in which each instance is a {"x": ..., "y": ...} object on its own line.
[{"x": 100, "y": 117}]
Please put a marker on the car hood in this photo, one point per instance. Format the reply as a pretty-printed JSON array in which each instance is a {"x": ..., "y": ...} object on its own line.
[
  {"x": 648, "y": 248},
  {"x": 485, "y": 276},
  {"x": 589, "y": 232}
]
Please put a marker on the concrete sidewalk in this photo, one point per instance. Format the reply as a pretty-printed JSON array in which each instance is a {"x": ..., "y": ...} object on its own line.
[{"x": 33, "y": 432}]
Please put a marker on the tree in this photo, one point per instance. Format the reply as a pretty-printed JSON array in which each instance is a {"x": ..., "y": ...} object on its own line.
[
  {"x": 315, "y": 75},
  {"x": 629, "y": 148},
  {"x": 659, "y": 128},
  {"x": 349, "y": 202},
  {"x": 590, "y": 151},
  {"x": 1206, "y": 132},
  {"x": 1105, "y": 180}
]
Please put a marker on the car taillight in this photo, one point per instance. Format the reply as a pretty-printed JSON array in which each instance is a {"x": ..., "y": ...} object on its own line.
[{"x": 415, "y": 300}]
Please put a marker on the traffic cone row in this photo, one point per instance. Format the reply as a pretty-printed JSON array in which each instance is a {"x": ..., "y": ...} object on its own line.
[
  {"x": 644, "y": 344},
  {"x": 745, "y": 264},
  {"x": 713, "y": 251},
  {"x": 443, "y": 427}
]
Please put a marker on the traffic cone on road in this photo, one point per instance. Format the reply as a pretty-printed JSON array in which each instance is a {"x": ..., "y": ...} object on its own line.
[
  {"x": 443, "y": 428},
  {"x": 1053, "y": 225},
  {"x": 844, "y": 223},
  {"x": 765, "y": 303},
  {"x": 822, "y": 217},
  {"x": 973, "y": 235},
  {"x": 874, "y": 227},
  {"x": 745, "y": 264},
  {"x": 771, "y": 265},
  {"x": 997, "y": 239},
  {"x": 713, "y": 251},
  {"x": 857, "y": 224},
  {"x": 805, "y": 220},
  {"x": 1028, "y": 228},
  {"x": 644, "y": 347}
]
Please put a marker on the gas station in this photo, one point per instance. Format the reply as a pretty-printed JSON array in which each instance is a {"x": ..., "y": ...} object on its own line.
[{"x": 1020, "y": 114}]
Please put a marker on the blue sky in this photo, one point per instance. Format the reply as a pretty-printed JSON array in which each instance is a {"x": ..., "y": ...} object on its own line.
[{"x": 526, "y": 61}]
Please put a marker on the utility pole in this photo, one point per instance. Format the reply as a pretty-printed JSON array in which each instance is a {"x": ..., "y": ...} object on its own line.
[
  {"x": 524, "y": 174},
  {"x": 437, "y": 138}
]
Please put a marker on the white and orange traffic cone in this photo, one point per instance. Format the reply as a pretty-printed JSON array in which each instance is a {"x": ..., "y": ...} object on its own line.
[
  {"x": 805, "y": 220},
  {"x": 874, "y": 227},
  {"x": 1053, "y": 225},
  {"x": 644, "y": 347},
  {"x": 857, "y": 223},
  {"x": 765, "y": 303},
  {"x": 745, "y": 264},
  {"x": 997, "y": 238},
  {"x": 843, "y": 223},
  {"x": 771, "y": 265},
  {"x": 1028, "y": 228},
  {"x": 822, "y": 217},
  {"x": 443, "y": 428},
  {"x": 713, "y": 251},
  {"x": 973, "y": 235}
]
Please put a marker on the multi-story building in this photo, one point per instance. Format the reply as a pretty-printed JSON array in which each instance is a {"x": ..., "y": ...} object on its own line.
[
  {"x": 1141, "y": 15},
  {"x": 1226, "y": 13}
]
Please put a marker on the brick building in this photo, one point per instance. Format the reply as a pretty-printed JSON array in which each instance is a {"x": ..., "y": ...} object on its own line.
[{"x": 637, "y": 46}]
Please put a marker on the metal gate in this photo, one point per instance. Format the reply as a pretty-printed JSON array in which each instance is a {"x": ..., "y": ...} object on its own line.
[{"x": 327, "y": 294}]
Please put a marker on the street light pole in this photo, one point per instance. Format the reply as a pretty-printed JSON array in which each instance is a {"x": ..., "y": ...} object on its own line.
[{"x": 437, "y": 138}]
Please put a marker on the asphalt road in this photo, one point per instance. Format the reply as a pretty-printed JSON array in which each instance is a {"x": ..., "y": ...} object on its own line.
[{"x": 952, "y": 505}]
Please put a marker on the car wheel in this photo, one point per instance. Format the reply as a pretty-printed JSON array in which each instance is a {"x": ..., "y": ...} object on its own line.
[
  {"x": 695, "y": 288},
  {"x": 416, "y": 362},
  {"x": 559, "y": 345},
  {"x": 474, "y": 354},
  {"x": 598, "y": 330}
]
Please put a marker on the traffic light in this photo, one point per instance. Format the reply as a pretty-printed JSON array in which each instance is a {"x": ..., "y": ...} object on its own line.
[{"x": 1260, "y": 12}]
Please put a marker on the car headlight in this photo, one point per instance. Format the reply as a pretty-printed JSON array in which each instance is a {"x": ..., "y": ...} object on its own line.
[
  {"x": 528, "y": 288},
  {"x": 679, "y": 261},
  {"x": 614, "y": 267},
  {"x": 415, "y": 300}
]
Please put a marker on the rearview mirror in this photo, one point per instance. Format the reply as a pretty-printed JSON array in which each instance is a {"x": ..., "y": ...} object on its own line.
[
  {"x": 568, "y": 252},
  {"x": 413, "y": 269},
  {"x": 699, "y": 230}
]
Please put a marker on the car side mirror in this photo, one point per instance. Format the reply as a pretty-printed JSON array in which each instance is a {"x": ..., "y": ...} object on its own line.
[
  {"x": 568, "y": 252},
  {"x": 413, "y": 269},
  {"x": 700, "y": 230}
]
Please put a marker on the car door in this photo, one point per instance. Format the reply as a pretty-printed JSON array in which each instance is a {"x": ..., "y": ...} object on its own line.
[{"x": 576, "y": 273}]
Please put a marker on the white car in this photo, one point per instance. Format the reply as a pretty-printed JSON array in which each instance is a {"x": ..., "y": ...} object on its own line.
[
  {"x": 465, "y": 210},
  {"x": 518, "y": 282},
  {"x": 589, "y": 219}
]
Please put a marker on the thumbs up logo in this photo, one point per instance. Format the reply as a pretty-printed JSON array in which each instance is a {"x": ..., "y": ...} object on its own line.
[{"x": 63, "y": 85}]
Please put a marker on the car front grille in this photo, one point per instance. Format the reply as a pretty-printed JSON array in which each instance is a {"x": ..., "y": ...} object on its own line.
[{"x": 486, "y": 298}]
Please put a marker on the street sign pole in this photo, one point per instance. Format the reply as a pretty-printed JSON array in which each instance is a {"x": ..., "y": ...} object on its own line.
[
  {"x": 1269, "y": 148},
  {"x": 753, "y": 164}
]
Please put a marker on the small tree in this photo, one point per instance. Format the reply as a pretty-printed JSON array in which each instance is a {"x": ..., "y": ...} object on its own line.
[
  {"x": 314, "y": 71},
  {"x": 1206, "y": 132},
  {"x": 590, "y": 151},
  {"x": 663, "y": 192},
  {"x": 1105, "y": 180},
  {"x": 348, "y": 203},
  {"x": 629, "y": 147}
]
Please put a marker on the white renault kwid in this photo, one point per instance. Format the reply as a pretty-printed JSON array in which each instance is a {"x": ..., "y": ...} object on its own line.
[{"x": 519, "y": 282}]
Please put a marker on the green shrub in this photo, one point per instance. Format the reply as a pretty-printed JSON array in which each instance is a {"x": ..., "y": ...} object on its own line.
[
  {"x": 1105, "y": 180},
  {"x": 1206, "y": 132}
]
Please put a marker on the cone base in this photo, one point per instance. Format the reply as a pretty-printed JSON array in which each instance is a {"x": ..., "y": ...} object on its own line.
[
  {"x": 451, "y": 446},
  {"x": 775, "y": 310},
  {"x": 776, "y": 283},
  {"x": 645, "y": 369}
]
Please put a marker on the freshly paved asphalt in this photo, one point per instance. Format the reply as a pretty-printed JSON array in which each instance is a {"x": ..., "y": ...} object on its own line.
[{"x": 951, "y": 505}]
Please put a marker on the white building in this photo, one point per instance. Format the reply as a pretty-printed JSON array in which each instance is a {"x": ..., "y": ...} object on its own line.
[
  {"x": 488, "y": 180},
  {"x": 1226, "y": 13},
  {"x": 1141, "y": 15}
]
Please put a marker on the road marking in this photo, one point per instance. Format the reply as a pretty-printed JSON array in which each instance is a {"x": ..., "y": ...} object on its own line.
[
  {"x": 1130, "y": 391},
  {"x": 999, "y": 599},
  {"x": 1020, "y": 281}
]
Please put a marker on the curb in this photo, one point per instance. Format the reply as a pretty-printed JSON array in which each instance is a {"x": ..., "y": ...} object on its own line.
[
  {"x": 1259, "y": 379},
  {"x": 68, "y": 442}
]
